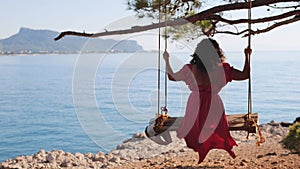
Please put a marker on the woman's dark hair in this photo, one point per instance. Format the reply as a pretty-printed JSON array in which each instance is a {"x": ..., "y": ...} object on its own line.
[
  {"x": 204, "y": 50},
  {"x": 197, "y": 61},
  {"x": 214, "y": 43},
  {"x": 218, "y": 49}
]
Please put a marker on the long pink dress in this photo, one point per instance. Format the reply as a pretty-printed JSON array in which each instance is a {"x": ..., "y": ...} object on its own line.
[{"x": 204, "y": 126}]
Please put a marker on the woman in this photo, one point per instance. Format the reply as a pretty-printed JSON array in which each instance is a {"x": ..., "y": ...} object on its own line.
[{"x": 204, "y": 126}]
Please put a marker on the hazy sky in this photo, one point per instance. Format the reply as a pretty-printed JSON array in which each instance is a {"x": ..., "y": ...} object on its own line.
[{"x": 94, "y": 15}]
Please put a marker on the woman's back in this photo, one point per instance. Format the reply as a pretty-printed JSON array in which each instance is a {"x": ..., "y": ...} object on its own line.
[
  {"x": 200, "y": 77},
  {"x": 216, "y": 78}
]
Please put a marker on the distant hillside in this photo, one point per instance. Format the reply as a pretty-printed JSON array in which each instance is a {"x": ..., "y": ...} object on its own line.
[{"x": 41, "y": 41}]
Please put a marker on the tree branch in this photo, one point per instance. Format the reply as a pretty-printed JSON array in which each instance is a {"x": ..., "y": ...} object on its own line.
[
  {"x": 230, "y": 7},
  {"x": 289, "y": 21},
  {"x": 253, "y": 21},
  {"x": 204, "y": 15},
  {"x": 284, "y": 7},
  {"x": 269, "y": 28},
  {"x": 232, "y": 33},
  {"x": 134, "y": 29},
  {"x": 61, "y": 35}
]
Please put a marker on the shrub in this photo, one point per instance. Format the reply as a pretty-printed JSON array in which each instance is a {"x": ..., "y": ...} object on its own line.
[{"x": 292, "y": 140}]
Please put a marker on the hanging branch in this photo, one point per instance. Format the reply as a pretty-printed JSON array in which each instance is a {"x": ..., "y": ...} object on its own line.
[
  {"x": 284, "y": 7},
  {"x": 289, "y": 21},
  {"x": 253, "y": 21},
  {"x": 134, "y": 29},
  {"x": 252, "y": 32},
  {"x": 204, "y": 15},
  {"x": 230, "y": 7},
  {"x": 233, "y": 33}
]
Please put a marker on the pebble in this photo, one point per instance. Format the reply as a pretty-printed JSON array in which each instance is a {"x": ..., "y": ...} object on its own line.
[
  {"x": 65, "y": 164},
  {"x": 242, "y": 163},
  {"x": 50, "y": 158},
  {"x": 79, "y": 156},
  {"x": 100, "y": 157},
  {"x": 259, "y": 156},
  {"x": 115, "y": 160},
  {"x": 89, "y": 155}
]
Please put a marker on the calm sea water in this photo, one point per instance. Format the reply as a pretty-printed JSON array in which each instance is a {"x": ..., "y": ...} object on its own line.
[{"x": 90, "y": 103}]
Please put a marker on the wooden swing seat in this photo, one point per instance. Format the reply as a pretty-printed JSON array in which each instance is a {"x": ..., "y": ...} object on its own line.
[
  {"x": 241, "y": 122},
  {"x": 237, "y": 122}
]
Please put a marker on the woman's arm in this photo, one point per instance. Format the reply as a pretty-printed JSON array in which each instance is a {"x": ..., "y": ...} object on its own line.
[
  {"x": 171, "y": 75},
  {"x": 245, "y": 73}
]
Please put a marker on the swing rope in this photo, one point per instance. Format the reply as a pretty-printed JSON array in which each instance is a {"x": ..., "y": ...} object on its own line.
[
  {"x": 162, "y": 112},
  {"x": 158, "y": 66},
  {"x": 166, "y": 46},
  {"x": 249, "y": 46},
  {"x": 251, "y": 121},
  {"x": 164, "y": 108}
]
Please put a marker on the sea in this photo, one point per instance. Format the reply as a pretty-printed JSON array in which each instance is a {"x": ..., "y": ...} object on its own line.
[{"x": 93, "y": 102}]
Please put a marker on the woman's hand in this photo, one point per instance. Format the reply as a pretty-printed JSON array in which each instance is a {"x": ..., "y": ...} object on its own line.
[
  {"x": 166, "y": 56},
  {"x": 168, "y": 66},
  {"x": 248, "y": 51},
  {"x": 245, "y": 73}
]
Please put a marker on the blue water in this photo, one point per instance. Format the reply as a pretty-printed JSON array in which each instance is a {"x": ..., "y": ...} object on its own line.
[{"x": 65, "y": 102}]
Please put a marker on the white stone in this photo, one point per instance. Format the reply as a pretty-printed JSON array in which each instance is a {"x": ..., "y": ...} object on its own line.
[
  {"x": 89, "y": 155},
  {"x": 65, "y": 164},
  {"x": 100, "y": 157},
  {"x": 50, "y": 158},
  {"x": 115, "y": 160},
  {"x": 79, "y": 156},
  {"x": 42, "y": 152}
]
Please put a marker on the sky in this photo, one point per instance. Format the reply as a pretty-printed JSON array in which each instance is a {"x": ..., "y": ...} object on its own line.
[{"x": 94, "y": 16}]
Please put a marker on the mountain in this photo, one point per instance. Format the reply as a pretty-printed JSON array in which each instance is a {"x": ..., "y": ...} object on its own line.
[{"x": 41, "y": 41}]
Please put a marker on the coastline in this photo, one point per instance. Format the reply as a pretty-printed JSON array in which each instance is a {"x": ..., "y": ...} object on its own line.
[
  {"x": 141, "y": 152},
  {"x": 70, "y": 53}
]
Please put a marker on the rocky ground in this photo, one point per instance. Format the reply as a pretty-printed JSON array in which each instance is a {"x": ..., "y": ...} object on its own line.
[{"x": 140, "y": 152}]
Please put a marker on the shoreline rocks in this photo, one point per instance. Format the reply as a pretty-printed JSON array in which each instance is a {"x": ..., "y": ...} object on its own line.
[{"x": 137, "y": 148}]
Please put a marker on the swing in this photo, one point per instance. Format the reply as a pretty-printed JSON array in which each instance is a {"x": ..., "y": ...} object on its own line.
[{"x": 159, "y": 128}]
